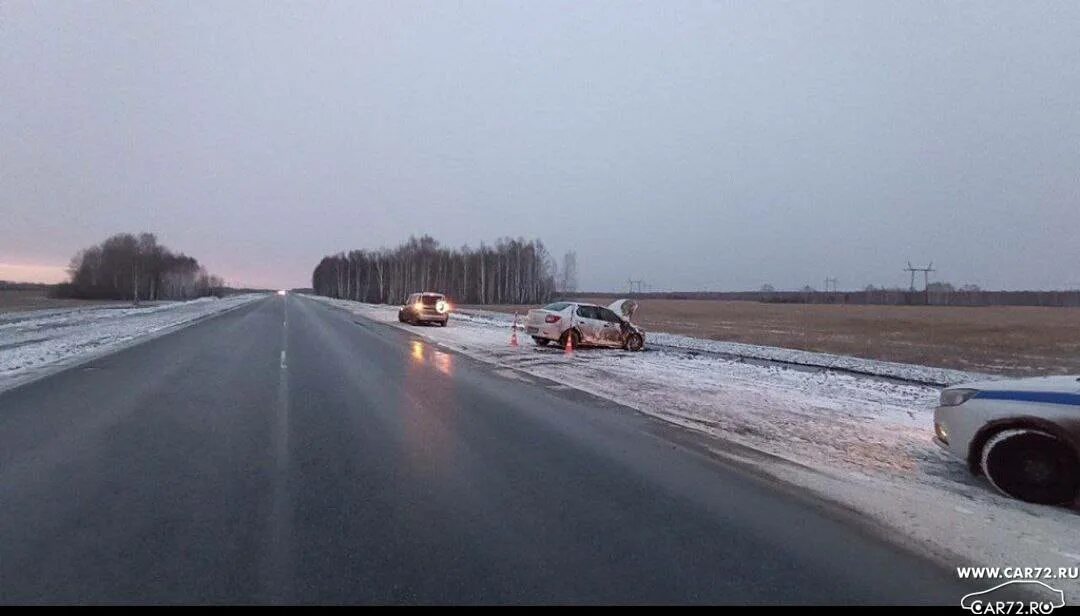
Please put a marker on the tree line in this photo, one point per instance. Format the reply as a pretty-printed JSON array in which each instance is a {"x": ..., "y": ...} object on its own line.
[
  {"x": 126, "y": 266},
  {"x": 939, "y": 294},
  {"x": 10, "y": 285},
  {"x": 513, "y": 271}
]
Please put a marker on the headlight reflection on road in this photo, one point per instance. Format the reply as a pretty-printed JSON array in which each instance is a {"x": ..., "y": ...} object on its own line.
[
  {"x": 417, "y": 351},
  {"x": 444, "y": 362},
  {"x": 428, "y": 408}
]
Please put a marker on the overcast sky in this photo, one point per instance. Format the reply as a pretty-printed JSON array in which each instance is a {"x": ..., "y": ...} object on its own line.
[{"x": 690, "y": 144}]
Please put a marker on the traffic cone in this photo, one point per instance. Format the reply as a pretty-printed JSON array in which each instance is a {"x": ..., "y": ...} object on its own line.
[
  {"x": 513, "y": 336},
  {"x": 569, "y": 350}
]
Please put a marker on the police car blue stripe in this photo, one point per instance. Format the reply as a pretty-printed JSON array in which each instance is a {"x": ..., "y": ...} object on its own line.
[{"x": 1047, "y": 397}]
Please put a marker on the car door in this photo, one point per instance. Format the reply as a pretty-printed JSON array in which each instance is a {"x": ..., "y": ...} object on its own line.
[
  {"x": 611, "y": 333},
  {"x": 589, "y": 324}
]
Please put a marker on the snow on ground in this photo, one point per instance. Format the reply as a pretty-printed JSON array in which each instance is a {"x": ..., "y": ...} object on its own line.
[
  {"x": 861, "y": 441},
  {"x": 37, "y": 342},
  {"x": 927, "y": 375}
]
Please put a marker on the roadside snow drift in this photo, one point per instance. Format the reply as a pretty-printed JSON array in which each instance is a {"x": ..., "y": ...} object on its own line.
[
  {"x": 35, "y": 343},
  {"x": 862, "y": 441}
]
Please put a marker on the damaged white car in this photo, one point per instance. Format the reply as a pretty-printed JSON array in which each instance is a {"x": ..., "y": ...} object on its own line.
[{"x": 586, "y": 324}]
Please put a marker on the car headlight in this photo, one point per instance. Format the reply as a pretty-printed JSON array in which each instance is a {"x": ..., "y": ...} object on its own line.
[
  {"x": 942, "y": 431},
  {"x": 956, "y": 397},
  {"x": 442, "y": 307}
]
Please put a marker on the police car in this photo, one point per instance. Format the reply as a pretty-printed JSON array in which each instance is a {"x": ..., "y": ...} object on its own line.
[{"x": 1022, "y": 434}]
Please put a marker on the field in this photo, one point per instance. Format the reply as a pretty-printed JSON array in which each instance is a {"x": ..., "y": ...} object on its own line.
[
  {"x": 1010, "y": 340},
  {"x": 36, "y": 299}
]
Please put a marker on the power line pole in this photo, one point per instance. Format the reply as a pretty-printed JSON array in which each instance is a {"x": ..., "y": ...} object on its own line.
[{"x": 926, "y": 278}]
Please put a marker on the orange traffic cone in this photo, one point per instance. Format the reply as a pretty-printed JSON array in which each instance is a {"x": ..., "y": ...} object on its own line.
[
  {"x": 569, "y": 343},
  {"x": 513, "y": 336}
]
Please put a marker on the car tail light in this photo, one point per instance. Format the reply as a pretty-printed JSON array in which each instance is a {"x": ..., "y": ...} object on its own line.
[{"x": 552, "y": 318}]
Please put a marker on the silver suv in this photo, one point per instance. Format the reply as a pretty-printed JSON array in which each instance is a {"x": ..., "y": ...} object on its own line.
[{"x": 425, "y": 308}]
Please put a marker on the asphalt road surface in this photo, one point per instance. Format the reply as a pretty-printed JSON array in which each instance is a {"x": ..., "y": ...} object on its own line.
[{"x": 289, "y": 452}]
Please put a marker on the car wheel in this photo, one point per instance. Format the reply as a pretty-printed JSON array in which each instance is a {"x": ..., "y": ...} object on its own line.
[
  {"x": 1032, "y": 466},
  {"x": 445, "y": 321},
  {"x": 541, "y": 341},
  {"x": 572, "y": 335},
  {"x": 400, "y": 317},
  {"x": 634, "y": 342}
]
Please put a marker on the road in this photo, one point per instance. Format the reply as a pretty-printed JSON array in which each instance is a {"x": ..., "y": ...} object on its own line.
[{"x": 289, "y": 452}]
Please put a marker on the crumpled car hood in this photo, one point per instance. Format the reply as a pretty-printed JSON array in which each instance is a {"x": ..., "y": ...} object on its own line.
[{"x": 625, "y": 308}]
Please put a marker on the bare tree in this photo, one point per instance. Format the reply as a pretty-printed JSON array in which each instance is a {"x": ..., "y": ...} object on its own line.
[
  {"x": 126, "y": 266},
  {"x": 513, "y": 271}
]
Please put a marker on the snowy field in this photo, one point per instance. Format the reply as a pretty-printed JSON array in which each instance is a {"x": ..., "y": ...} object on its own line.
[
  {"x": 36, "y": 343},
  {"x": 925, "y": 375},
  {"x": 861, "y": 441}
]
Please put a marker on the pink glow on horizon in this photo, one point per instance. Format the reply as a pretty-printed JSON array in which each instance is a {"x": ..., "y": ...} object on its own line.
[{"x": 51, "y": 274}]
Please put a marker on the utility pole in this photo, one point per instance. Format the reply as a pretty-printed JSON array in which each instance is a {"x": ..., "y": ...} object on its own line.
[
  {"x": 926, "y": 278},
  {"x": 631, "y": 282},
  {"x": 831, "y": 285}
]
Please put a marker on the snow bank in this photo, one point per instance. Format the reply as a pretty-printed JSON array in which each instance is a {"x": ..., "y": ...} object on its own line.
[
  {"x": 862, "y": 441},
  {"x": 35, "y": 343},
  {"x": 926, "y": 375}
]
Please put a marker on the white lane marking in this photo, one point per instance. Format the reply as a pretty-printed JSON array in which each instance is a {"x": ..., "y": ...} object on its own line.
[
  {"x": 278, "y": 566},
  {"x": 284, "y": 330}
]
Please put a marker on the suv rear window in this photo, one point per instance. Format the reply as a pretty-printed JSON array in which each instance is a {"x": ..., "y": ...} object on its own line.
[
  {"x": 557, "y": 306},
  {"x": 430, "y": 300}
]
